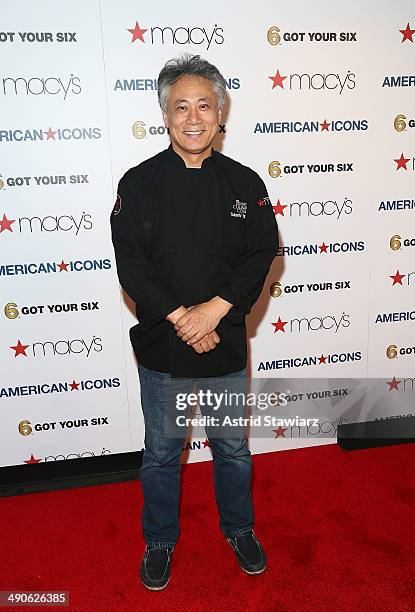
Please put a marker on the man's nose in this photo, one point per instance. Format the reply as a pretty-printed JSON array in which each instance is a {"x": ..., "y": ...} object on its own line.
[{"x": 193, "y": 116}]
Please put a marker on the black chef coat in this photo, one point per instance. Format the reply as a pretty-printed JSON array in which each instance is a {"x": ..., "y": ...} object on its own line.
[{"x": 182, "y": 236}]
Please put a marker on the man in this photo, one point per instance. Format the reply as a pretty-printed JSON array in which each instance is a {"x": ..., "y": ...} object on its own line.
[{"x": 194, "y": 236}]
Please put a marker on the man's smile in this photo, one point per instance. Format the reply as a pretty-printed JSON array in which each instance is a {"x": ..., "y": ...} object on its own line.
[{"x": 193, "y": 132}]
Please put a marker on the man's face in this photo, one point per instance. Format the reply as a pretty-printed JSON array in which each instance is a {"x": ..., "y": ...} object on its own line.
[{"x": 192, "y": 114}]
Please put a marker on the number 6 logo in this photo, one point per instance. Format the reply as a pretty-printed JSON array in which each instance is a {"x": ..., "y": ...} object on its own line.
[{"x": 11, "y": 311}]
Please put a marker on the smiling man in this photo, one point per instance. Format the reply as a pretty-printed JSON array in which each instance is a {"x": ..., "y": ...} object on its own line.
[{"x": 194, "y": 236}]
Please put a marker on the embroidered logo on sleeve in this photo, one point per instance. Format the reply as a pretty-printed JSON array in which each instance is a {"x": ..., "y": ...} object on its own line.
[
  {"x": 264, "y": 201},
  {"x": 239, "y": 209},
  {"x": 117, "y": 205}
]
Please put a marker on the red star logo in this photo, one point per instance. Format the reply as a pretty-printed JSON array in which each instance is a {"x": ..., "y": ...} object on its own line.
[
  {"x": 19, "y": 349},
  {"x": 402, "y": 161},
  {"x": 137, "y": 33},
  {"x": 206, "y": 443},
  {"x": 279, "y": 432},
  {"x": 279, "y": 325},
  {"x": 63, "y": 266},
  {"x": 322, "y": 359},
  {"x": 50, "y": 134},
  {"x": 74, "y": 386},
  {"x": 32, "y": 460},
  {"x": 277, "y": 80},
  {"x": 397, "y": 278},
  {"x": 6, "y": 224},
  {"x": 407, "y": 33},
  {"x": 394, "y": 384},
  {"x": 325, "y": 125},
  {"x": 323, "y": 248},
  {"x": 279, "y": 208}
]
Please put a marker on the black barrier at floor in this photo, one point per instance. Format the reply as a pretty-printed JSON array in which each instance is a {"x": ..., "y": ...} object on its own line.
[
  {"x": 370, "y": 434},
  {"x": 121, "y": 467},
  {"x": 54, "y": 475}
]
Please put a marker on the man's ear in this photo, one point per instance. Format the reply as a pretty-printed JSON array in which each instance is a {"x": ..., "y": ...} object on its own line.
[
  {"x": 220, "y": 115},
  {"x": 165, "y": 119}
]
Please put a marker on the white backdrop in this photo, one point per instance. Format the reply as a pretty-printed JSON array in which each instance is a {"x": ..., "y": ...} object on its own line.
[{"x": 79, "y": 107}]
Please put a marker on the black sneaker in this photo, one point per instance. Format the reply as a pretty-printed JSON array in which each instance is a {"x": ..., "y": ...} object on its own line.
[
  {"x": 249, "y": 552},
  {"x": 155, "y": 568}
]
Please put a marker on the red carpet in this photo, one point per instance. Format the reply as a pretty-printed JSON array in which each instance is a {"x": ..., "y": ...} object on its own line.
[{"x": 338, "y": 528}]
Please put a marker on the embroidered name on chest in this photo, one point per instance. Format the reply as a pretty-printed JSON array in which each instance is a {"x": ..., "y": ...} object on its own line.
[
  {"x": 239, "y": 209},
  {"x": 264, "y": 201}
]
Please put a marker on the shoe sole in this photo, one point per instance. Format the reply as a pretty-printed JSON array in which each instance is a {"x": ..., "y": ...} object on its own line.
[
  {"x": 245, "y": 570},
  {"x": 254, "y": 573},
  {"x": 155, "y": 588}
]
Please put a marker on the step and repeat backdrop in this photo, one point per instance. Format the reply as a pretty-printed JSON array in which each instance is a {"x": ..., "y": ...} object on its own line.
[{"x": 320, "y": 104}]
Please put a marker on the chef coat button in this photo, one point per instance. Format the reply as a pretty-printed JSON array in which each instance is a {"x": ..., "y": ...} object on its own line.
[
  {"x": 171, "y": 249},
  {"x": 213, "y": 252},
  {"x": 217, "y": 211}
]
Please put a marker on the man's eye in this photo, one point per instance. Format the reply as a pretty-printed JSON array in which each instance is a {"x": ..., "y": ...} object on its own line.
[
  {"x": 204, "y": 106},
  {"x": 181, "y": 108}
]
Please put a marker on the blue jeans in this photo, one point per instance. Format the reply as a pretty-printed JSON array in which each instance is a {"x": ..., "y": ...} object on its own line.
[{"x": 160, "y": 468}]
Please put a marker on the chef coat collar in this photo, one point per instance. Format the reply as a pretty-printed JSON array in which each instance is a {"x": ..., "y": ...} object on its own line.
[{"x": 176, "y": 160}]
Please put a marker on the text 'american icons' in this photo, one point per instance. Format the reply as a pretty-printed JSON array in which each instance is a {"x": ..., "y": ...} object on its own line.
[
  {"x": 59, "y": 134},
  {"x": 50, "y": 267},
  {"x": 51, "y": 388}
]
